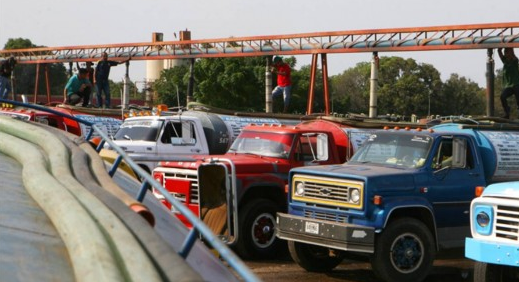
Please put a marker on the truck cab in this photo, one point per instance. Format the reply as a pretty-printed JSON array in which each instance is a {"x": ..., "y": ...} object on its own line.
[
  {"x": 164, "y": 136},
  {"x": 402, "y": 197},
  {"x": 239, "y": 193}
]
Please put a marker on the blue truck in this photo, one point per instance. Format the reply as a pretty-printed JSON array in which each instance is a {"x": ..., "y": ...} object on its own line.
[
  {"x": 404, "y": 196},
  {"x": 494, "y": 222}
]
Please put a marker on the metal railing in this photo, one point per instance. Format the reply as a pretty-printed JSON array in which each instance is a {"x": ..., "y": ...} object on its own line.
[{"x": 199, "y": 228}]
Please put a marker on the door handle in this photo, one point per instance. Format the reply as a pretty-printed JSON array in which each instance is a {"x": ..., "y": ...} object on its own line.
[
  {"x": 195, "y": 150},
  {"x": 474, "y": 174}
]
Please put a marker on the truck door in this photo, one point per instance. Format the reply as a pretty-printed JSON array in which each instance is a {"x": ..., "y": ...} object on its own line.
[
  {"x": 307, "y": 151},
  {"x": 178, "y": 138},
  {"x": 451, "y": 189}
]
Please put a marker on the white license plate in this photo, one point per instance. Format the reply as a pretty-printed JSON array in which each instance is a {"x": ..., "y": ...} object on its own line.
[{"x": 312, "y": 227}]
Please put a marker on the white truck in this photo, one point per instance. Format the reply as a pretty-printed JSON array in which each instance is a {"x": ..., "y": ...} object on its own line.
[{"x": 149, "y": 139}]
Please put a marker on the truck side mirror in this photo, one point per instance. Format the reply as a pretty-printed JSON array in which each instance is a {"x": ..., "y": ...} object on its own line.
[
  {"x": 322, "y": 147},
  {"x": 187, "y": 133},
  {"x": 459, "y": 153}
]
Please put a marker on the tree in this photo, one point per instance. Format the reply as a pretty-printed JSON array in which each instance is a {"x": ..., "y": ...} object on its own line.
[
  {"x": 465, "y": 97},
  {"x": 171, "y": 82},
  {"x": 25, "y": 75},
  {"x": 349, "y": 91},
  {"x": 406, "y": 87}
]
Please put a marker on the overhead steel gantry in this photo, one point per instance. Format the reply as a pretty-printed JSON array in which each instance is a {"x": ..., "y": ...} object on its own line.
[{"x": 453, "y": 37}]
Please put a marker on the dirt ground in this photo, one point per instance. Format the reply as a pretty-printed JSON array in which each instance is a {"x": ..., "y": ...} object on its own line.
[{"x": 446, "y": 269}]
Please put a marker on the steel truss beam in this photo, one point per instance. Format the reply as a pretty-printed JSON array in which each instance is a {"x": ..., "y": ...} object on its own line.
[{"x": 477, "y": 36}]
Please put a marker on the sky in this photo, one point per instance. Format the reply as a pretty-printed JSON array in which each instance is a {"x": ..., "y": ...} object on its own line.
[{"x": 59, "y": 23}]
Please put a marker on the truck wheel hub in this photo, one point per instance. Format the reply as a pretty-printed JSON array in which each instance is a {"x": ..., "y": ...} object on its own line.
[
  {"x": 406, "y": 253},
  {"x": 263, "y": 230}
]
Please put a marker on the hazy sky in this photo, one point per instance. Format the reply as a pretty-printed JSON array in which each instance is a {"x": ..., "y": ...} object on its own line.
[{"x": 71, "y": 22}]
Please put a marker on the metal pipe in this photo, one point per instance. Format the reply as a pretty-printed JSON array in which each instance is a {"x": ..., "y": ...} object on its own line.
[
  {"x": 373, "y": 86},
  {"x": 126, "y": 87},
  {"x": 309, "y": 107},
  {"x": 490, "y": 83},
  {"x": 268, "y": 86},
  {"x": 191, "y": 84},
  {"x": 36, "y": 83},
  {"x": 324, "y": 65},
  {"x": 47, "y": 82}
]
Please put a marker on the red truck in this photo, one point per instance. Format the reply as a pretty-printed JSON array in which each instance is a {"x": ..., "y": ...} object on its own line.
[{"x": 238, "y": 194}]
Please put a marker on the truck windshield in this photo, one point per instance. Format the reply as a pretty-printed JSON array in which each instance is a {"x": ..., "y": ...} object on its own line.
[
  {"x": 139, "y": 130},
  {"x": 263, "y": 144},
  {"x": 390, "y": 149}
]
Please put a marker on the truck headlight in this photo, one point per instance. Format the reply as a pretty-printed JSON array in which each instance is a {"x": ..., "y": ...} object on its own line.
[
  {"x": 355, "y": 196},
  {"x": 300, "y": 189},
  {"x": 483, "y": 219}
]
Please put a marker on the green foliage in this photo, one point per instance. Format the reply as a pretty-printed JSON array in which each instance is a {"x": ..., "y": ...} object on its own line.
[
  {"x": 25, "y": 75},
  {"x": 166, "y": 86},
  {"x": 406, "y": 87}
]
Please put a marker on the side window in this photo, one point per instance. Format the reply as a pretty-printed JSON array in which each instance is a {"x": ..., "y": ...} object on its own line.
[
  {"x": 171, "y": 130},
  {"x": 306, "y": 148},
  {"x": 174, "y": 133},
  {"x": 443, "y": 157}
]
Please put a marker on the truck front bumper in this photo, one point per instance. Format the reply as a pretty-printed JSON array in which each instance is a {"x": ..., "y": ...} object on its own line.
[
  {"x": 341, "y": 236},
  {"x": 492, "y": 252}
]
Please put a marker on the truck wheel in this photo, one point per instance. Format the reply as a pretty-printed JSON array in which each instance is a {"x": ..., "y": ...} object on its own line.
[
  {"x": 313, "y": 258},
  {"x": 257, "y": 237},
  {"x": 487, "y": 272},
  {"x": 404, "y": 251}
]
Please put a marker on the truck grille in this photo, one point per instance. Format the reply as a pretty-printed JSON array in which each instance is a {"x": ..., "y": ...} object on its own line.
[
  {"x": 507, "y": 222},
  {"x": 327, "y": 191},
  {"x": 174, "y": 177},
  {"x": 326, "y": 216}
]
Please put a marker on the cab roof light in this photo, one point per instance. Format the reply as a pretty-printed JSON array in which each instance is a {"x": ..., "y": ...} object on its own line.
[
  {"x": 419, "y": 129},
  {"x": 386, "y": 127},
  {"x": 397, "y": 128},
  {"x": 407, "y": 128}
]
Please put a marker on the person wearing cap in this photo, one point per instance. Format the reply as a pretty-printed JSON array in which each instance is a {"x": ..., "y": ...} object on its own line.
[
  {"x": 510, "y": 78},
  {"x": 79, "y": 88},
  {"x": 284, "y": 83},
  {"x": 6, "y": 69}
]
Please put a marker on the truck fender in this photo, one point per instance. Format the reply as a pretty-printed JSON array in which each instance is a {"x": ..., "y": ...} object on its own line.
[{"x": 414, "y": 207}]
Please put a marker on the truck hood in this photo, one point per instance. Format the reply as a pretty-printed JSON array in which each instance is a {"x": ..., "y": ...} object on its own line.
[
  {"x": 244, "y": 163},
  {"x": 503, "y": 190},
  {"x": 377, "y": 178}
]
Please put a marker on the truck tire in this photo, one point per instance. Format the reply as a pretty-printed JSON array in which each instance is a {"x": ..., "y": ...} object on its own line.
[
  {"x": 257, "y": 238},
  {"x": 313, "y": 258},
  {"x": 404, "y": 251},
  {"x": 487, "y": 272}
]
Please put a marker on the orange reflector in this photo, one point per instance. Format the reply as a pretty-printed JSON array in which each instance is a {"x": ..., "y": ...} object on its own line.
[
  {"x": 377, "y": 200},
  {"x": 286, "y": 188},
  {"x": 162, "y": 107},
  {"x": 479, "y": 190}
]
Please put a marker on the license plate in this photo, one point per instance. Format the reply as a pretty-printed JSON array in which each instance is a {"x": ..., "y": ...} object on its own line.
[{"x": 312, "y": 227}]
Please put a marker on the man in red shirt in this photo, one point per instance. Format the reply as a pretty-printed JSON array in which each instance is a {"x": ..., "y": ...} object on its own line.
[{"x": 284, "y": 84}]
